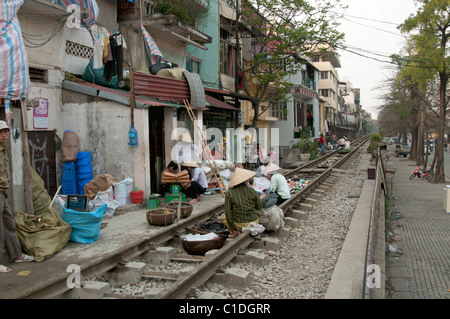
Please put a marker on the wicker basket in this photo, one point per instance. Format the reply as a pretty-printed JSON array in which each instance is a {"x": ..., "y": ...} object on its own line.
[
  {"x": 186, "y": 208},
  {"x": 157, "y": 217}
]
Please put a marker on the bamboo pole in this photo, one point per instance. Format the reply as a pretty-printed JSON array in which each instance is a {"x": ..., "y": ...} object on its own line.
[
  {"x": 205, "y": 147},
  {"x": 26, "y": 161}
]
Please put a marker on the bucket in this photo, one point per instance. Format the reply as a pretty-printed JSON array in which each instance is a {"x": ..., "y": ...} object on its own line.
[
  {"x": 84, "y": 158},
  {"x": 122, "y": 191},
  {"x": 137, "y": 196}
]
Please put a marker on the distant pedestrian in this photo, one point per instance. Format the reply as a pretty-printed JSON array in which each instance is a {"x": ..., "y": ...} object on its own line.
[
  {"x": 8, "y": 235},
  {"x": 309, "y": 119},
  {"x": 321, "y": 140}
]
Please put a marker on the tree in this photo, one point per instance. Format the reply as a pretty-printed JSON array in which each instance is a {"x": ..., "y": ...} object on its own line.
[
  {"x": 286, "y": 32},
  {"x": 432, "y": 26}
]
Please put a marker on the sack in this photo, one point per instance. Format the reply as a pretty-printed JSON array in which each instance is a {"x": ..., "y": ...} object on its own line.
[
  {"x": 85, "y": 225},
  {"x": 271, "y": 218},
  {"x": 70, "y": 146},
  {"x": 155, "y": 68},
  {"x": 99, "y": 184},
  {"x": 270, "y": 200},
  {"x": 43, "y": 235},
  {"x": 95, "y": 76}
]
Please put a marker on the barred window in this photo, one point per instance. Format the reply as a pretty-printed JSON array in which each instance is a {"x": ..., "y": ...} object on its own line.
[{"x": 279, "y": 110}]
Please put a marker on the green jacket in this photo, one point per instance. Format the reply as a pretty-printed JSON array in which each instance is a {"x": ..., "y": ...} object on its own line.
[
  {"x": 4, "y": 170},
  {"x": 241, "y": 203}
]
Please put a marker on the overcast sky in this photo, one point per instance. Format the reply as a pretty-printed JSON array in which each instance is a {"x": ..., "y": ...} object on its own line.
[{"x": 372, "y": 41}]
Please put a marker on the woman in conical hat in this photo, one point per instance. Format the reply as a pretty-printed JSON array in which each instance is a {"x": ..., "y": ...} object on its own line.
[
  {"x": 198, "y": 182},
  {"x": 241, "y": 202},
  {"x": 278, "y": 183}
]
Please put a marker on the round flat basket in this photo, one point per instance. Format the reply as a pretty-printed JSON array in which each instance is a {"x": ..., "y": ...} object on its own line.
[
  {"x": 202, "y": 246},
  {"x": 157, "y": 217},
  {"x": 186, "y": 208}
]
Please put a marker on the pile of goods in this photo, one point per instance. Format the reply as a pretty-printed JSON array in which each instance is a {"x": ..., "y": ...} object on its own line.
[
  {"x": 298, "y": 185},
  {"x": 181, "y": 177}
]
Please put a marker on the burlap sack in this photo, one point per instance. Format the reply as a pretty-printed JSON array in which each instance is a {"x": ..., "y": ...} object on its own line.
[
  {"x": 70, "y": 146},
  {"x": 99, "y": 184}
]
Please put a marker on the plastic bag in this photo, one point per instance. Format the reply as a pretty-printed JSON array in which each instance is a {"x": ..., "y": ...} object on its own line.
[
  {"x": 85, "y": 225},
  {"x": 106, "y": 197},
  {"x": 261, "y": 184},
  {"x": 271, "y": 218}
]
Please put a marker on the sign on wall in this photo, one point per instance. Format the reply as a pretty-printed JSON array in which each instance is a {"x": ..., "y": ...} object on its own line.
[{"x": 40, "y": 114}]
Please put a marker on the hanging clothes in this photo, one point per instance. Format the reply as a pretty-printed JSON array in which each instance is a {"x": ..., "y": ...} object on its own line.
[
  {"x": 107, "y": 56},
  {"x": 119, "y": 55},
  {"x": 98, "y": 53},
  {"x": 111, "y": 66}
]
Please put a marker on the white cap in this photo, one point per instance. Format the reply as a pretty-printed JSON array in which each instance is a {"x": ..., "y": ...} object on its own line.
[{"x": 3, "y": 125}]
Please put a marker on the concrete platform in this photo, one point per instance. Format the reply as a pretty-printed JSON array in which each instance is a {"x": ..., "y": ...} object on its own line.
[{"x": 121, "y": 232}]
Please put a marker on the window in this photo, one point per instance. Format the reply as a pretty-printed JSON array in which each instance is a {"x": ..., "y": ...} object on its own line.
[
  {"x": 227, "y": 53},
  {"x": 324, "y": 92},
  {"x": 38, "y": 75},
  {"x": 323, "y": 75},
  {"x": 193, "y": 65},
  {"x": 279, "y": 110}
]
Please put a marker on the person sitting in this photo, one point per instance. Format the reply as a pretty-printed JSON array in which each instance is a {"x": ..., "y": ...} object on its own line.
[
  {"x": 341, "y": 143},
  {"x": 265, "y": 162},
  {"x": 173, "y": 169},
  {"x": 278, "y": 183},
  {"x": 241, "y": 202},
  {"x": 197, "y": 184}
]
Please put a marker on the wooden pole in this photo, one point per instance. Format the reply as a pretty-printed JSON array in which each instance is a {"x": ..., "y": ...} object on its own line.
[{"x": 26, "y": 161}]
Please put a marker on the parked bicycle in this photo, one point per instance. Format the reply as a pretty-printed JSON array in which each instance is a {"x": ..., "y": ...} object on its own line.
[{"x": 419, "y": 173}]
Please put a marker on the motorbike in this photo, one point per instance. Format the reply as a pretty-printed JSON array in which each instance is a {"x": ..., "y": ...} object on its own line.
[{"x": 422, "y": 174}]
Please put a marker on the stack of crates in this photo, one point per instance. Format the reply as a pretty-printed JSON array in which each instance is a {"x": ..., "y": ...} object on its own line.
[{"x": 69, "y": 179}]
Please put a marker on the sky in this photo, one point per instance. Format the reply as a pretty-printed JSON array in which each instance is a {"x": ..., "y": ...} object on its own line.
[{"x": 366, "y": 37}]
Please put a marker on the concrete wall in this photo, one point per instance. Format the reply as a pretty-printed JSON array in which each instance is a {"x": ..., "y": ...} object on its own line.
[{"x": 102, "y": 127}]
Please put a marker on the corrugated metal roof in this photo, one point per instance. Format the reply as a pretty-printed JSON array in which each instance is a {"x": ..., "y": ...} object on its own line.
[
  {"x": 161, "y": 87},
  {"x": 117, "y": 95},
  {"x": 218, "y": 103}
]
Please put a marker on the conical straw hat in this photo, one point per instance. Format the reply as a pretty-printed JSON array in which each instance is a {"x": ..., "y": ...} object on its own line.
[
  {"x": 190, "y": 163},
  {"x": 240, "y": 175},
  {"x": 271, "y": 168},
  {"x": 185, "y": 137}
]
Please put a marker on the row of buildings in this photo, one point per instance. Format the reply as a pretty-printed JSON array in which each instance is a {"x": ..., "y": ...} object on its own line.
[{"x": 62, "y": 55}]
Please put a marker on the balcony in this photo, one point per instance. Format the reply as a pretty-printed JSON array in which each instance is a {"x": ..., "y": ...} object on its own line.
[{"x": 159, "y": 17}]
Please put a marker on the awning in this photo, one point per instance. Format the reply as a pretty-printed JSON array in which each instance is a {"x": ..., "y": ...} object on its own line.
[
  {"x": 218, "y": 103},
  {"x": 116, "y": 95}
]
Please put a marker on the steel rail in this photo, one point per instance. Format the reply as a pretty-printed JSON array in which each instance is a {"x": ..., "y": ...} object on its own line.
[
  {"x": 55, "y": 286},
  {"x": 209, "y": 267}
]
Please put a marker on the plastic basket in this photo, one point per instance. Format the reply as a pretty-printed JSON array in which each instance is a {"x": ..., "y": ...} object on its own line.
[{"x": 77, "y": 202}]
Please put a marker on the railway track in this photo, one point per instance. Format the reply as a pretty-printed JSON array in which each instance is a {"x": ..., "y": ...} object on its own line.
[
  {"x": 198, "y": 268},
  {"x": 204, "y": 268}
]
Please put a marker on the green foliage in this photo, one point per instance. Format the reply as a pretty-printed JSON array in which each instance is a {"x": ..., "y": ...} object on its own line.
[
  {"x": 307, "y": 145},
  {"x": 187, "y": 11},
  {"x": 374, "y": 140}
]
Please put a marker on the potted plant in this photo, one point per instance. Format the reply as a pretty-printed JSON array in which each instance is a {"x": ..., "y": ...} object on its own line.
[{"x": 308, "y": 147}]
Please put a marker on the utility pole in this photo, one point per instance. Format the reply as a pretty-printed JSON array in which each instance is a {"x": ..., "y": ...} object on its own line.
[{"x": 237, "y": 55}]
